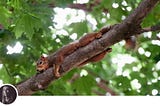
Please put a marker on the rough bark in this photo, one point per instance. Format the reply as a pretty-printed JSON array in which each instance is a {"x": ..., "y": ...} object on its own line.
[{"x": 130, "y": 26}]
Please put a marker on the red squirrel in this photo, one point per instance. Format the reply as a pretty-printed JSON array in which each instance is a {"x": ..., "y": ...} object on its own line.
[
  {"x": 130, "y": 42},
  {"x": 57, "y": 58}
]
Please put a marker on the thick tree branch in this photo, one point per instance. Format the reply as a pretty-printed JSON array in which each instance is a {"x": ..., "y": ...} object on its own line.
[{"x": 130, "y": 26}]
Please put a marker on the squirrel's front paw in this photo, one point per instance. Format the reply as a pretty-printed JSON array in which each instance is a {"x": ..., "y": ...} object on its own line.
[
  {"x": 57, "y": 75},
  {"x": 56, "y": 71}
]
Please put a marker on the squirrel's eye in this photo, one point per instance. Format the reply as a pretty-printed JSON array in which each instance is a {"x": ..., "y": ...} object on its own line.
[{"x": 40, "y": 62}]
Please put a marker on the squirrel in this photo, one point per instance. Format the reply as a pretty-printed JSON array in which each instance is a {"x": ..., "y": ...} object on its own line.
[
  {"x": 130, "y": 43},
  {"x": 57, "y": 58},
  {"x": 97, "y": 57}
]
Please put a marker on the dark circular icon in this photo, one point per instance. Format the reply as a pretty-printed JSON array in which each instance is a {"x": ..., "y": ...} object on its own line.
[{"x": 8, "y": 94}]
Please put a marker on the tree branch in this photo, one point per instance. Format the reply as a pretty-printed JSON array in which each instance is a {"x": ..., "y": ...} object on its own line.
[
  {"x": 130, "y": 26},
  {"x": 103, "y": 86},
  {"x": 84, "y": 7},
  {"x": 148, "y": 29}
]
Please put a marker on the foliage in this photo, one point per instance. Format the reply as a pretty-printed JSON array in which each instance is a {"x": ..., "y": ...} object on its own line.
[{"x": 30, "y": 22}]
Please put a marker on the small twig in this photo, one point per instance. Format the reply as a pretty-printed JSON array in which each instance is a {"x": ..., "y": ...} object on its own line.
[
  {"x": 1, "y": 26},
  {"x": 7, "y": 70},
  {"x": 95, "y": 75},
  {"x": 103, "y": 86},
  {"x": 98, "y": 93},
  {"x": 84, "y": 7},
  {"x": 74, "y": 77},
  {"x": 148, "y": 29}
]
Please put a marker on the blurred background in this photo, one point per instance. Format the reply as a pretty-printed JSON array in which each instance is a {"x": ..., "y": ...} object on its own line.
[{"x": 30, "y": 28}]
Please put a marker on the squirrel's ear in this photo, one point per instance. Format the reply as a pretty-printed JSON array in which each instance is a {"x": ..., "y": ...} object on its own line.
[{"x": 42, "y": 57}]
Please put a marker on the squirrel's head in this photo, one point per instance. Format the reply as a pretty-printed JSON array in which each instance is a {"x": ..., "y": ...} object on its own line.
[{"x": 42, "y": 64}]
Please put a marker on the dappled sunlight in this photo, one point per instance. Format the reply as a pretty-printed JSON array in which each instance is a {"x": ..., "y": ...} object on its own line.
[
  {"x": 119, "y": 84},
  {"x": 123, "y": 59},
  {"x": 149, "y": 83},
  {"x": 17, "y": 76},
  {"x": 154, "y": 80},
  {"x": 154, "y": 92},
  {"x": 156, "y": 42},
  {"x": 147, "y": 54},
  {"x": 115, "y": 5},
  {"x": 129, "y": 8},
  {"x": 58, "y": 40},
  {"x": 123, "y": 17},
  {"x": 158, "y": 65},
  {"x": 98, "y": 79},
  {"x": 83, "y": 73},
  {"x": 92, "y": 21},
  {"x": 108, "y": 15},
  {"x": 54, "y": 36},
  {"x": 135, "y": 68},
  {"x": 61, "y": 32},
  {"x": 158, "y": 35},
  {"x": 124, "y": 3},
  {"x": 73, "y": 36},
  {"x": 142, "y": 75},
  {"x": 81, "y": 1},
  {"x": 1, "y": 65},
  {"x": 125, "y": 73},
  {"x": 16, "y": 49},
  {"x": 147, "y": 34},
  {"x": 135, "y": 84},
  {"x": 1, "y": 82},
  {"x": 69, "y": 16},
  {"x": 119, "y": 71},
  {"x": 103, "y": 20},
  {"x": 141, "y": 51},
  {"x": 155, "y": 74}
]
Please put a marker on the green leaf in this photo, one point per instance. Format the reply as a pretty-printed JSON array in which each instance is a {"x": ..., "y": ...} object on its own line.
[
  {"x": 84, "y": 85},
  {"x": 27, "y": 24},
  {"x": 58, "y": 88},
  {"x": 80, "y": 28},
  {"x": 5, "y": 14},
  {"x": 122, "y": 82},
  {"x": 5, "y": 76},
  {"x": 152, "y": 18},
  {"x": 17, "y": 4}
]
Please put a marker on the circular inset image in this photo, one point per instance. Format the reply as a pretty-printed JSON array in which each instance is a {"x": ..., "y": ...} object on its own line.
[{"x": 8, "y": 94}]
